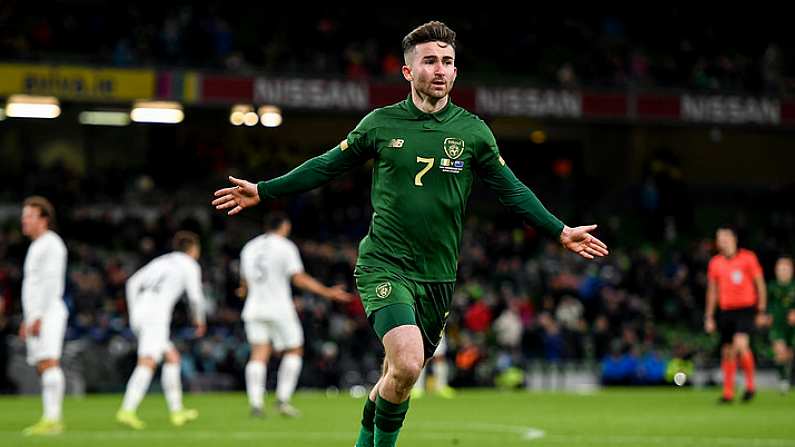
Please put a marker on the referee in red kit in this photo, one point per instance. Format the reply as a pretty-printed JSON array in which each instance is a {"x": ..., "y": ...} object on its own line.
[{"x": 736, "y": 286}]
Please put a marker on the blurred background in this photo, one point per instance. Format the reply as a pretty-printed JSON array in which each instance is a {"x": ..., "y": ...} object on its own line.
[{"x": 657, "y": 125}]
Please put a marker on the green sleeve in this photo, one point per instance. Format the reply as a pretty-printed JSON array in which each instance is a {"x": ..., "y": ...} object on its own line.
[
  {"x": 317, "y": 171},
  {"x": 510, "y": 190}
]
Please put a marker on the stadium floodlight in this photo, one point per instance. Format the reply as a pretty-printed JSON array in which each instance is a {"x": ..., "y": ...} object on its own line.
[
  {"x": 243, "y": 114},
  {"x": 270, "y": 116},
  {"x": 163, "y": 112},
  {"x": 26, "y": 106},
  {"x": 103, "y": 118},
  {"x": 251, "y": 119}
]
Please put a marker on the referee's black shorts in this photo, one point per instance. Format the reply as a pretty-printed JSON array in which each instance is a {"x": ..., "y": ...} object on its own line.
[{"x": 735, "y": 321}]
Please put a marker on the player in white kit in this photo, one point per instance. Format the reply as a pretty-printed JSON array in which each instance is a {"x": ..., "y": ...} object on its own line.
[
  {"x": 152, "y": 293},
  {"x": 43, "y": 309},
  {"x": 441, "y": 369},
  {"x": 269, "y": 263}
]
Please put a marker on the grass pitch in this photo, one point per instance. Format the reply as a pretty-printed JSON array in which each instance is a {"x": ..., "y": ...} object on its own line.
[{"x": 670, "y": 417}]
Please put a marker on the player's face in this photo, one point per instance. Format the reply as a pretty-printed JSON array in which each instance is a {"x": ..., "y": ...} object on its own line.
[
  {"x": 726, "y": 242},
  {"x": 32, "y": 222},
  {"x": 784, "y": 270},
  {"x": 431, "y": 70}
]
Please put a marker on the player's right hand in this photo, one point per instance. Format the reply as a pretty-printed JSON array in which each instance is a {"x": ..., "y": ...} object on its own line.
[
  {"x": 709, "y": 325},
  {"x": 35, "y": 328},
  {"x": 243, "y": 195},
  {"x": 338, "y": 293},
  {"x": 201, "y": 329}
]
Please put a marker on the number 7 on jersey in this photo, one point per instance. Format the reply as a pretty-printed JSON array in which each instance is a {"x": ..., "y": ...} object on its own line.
[{"x": 423, "y": 171}]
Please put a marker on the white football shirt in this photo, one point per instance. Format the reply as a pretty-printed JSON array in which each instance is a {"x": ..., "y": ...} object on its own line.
[
  {"x": 267, "y": 264},
  {"x": 153, "y": 290},
  {"x": 44, "y": 277}
]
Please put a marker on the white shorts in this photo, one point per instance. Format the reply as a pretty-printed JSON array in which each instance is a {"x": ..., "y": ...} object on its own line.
[
  {"x": 49, "y": 343},
  {"x": 441, "y": 349},
  {"x": 281, "y": 334},
  {"x": 153, "y": 340}
]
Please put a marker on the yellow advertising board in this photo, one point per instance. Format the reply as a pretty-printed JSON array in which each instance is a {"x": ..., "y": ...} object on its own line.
[{"x": 77, "y": 83}]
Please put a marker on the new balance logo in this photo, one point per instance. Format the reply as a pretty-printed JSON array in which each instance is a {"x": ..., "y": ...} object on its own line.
[{"x": 396, "y": 143}]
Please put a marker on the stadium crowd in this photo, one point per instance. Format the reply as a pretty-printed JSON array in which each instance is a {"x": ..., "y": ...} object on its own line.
[
  {"x": 520, "y": 299},
  {"x": 554, "y": 47}
]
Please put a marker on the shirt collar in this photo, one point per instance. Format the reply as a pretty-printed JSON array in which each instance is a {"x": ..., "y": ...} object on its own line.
[{"x": 439, "y": 116}]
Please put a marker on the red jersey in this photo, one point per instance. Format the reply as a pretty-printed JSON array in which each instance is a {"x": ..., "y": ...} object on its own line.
[{"x": 735, "y": 279}]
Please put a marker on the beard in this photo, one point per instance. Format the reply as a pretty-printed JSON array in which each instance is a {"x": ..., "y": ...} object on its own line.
[{"x": 429, "y": 89}]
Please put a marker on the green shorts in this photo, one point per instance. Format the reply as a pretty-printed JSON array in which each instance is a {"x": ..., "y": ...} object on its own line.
[
  {"x": 783, "y": 331},
  {"x": 380, "y": 289}
]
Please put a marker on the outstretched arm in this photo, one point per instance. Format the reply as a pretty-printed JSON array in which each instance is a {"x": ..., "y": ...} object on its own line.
[
  {"x": 517, "y": 197},
  {"x": 306, "y": 282}
]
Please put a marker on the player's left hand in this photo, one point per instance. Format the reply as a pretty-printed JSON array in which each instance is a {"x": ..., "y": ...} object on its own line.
[
  {"x": 761, "y": 319},
  {"x": 35, "y": 328},
  {"x": 579, "y": 240},
  {"x": 201, "y": 329},
  {"x": 338, "y": 293},
  {"x": 791, "y": 317}
]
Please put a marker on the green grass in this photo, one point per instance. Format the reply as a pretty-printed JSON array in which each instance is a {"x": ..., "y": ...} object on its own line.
[{"x": 620, "y": 417}]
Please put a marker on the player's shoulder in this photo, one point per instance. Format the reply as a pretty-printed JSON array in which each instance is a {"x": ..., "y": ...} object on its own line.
[
  {"x": 747, "y": 254},
  {"x": 469, "y": 118},
  {"x": 284, "y": 243},
  {"x": 253, "y": 243},
  {"x": 474, "y": 124},
  {"x": 716, "y": 260},
  {"x": 378, "y": 116},
  {"x": 176, "y": 257},
  {"x": 157, "y": 262},
  {"x": 464, "y": 114},
  {"x": 51, "y": 239},
  {"x": 54, "y": 236}
]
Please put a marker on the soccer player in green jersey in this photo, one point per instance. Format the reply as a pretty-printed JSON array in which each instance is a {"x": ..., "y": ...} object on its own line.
[
  {"x": 782, "y": 309},
  {"x": 426, "y": 152}
]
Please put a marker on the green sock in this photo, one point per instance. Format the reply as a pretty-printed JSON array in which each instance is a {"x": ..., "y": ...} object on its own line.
[
  {"x": 366, "y": 432},
  {"x": 388, "y": 420}
]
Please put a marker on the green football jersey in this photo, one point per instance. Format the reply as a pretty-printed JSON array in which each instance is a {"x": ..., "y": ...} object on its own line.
[
  {"x": 423, "y": 170},
  {"x": 781, "y": 298}
]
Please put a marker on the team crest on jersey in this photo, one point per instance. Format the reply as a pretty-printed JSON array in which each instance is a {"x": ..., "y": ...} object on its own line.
[
  {"x": 383, "y": 290},
  {"x": 453, "y": 147}
]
